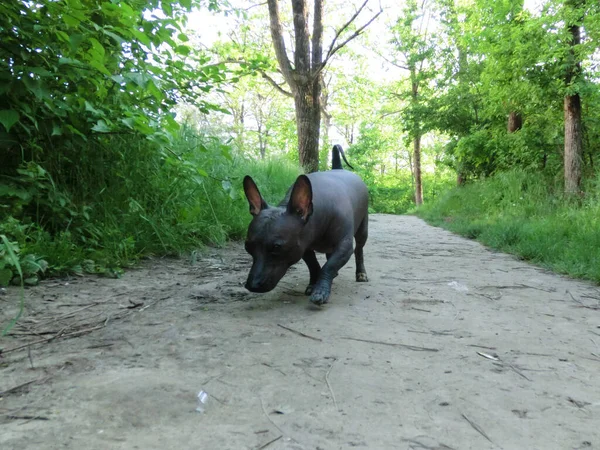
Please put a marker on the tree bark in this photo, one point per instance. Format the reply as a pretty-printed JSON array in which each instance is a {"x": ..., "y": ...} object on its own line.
[
  {"x": 308, "y": 124},
  {"x": 573, "y": 144},
  {"x": 573, "y": 155},
  {"x": 416, "y": 142},
  {"x": 417, "y": 164},
  {"x": 515, "y": 122}
]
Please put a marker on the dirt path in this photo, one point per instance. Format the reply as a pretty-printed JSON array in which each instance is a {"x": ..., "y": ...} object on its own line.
[{"x": 450, "y": 346}]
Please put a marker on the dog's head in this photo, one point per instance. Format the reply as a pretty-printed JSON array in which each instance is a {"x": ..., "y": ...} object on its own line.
[{"x": 274, "y": 235}]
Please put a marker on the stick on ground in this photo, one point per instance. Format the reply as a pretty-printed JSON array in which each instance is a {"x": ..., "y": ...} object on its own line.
[
  {"x": 393, "y": 344},
  {"x": 477, "y": 428},
  {"x": 299, "y": 333}
]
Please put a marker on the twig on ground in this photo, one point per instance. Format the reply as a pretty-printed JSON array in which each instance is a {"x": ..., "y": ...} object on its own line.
[
  {"x": 273, "y": 423},
  {"x": 427, "y": 447},
  {"x": 274, "y": 368},
  {"x": 485, "y": 355},
  {"x": 14, "y": 389},
  {"x": 582, "y": 305},
  {"x": 393, "y": 344},
  {"x": 270, "y": 442},
  {"x": 29, "y": 356},
  {"x": 420, "y": 309},
  {"x": 299, "y": 333},
  {"x": 477, "y": 428},
  {"x": 66, "y": 315},
  {"x": 329, "y": 385},
  {"x": 27, "y": 417},
  {"x": 504, "y": 363},
  {"x": 481, "y": 346}
]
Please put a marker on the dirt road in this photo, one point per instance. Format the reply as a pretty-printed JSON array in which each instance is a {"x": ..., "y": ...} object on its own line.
[{"x": 449, "y": 346}]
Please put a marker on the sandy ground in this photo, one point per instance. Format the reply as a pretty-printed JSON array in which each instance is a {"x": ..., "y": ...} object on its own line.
[{"x": 449, "y": 346}]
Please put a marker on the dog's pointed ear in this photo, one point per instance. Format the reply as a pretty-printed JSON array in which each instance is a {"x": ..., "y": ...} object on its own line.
[
  {"x": 257, "y": 203},
  {"x": 300, "y": 202}
]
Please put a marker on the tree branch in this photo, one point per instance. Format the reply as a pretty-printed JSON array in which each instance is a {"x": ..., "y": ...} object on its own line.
[
  {"x": 346, "y": 25},
  {"x": 334, "y": 48},
  {"x": 317, "y": 37},
  {"x": 302, "y": 39},
  {"x": 393, "y": 63},
  {"x": 279, "y": 43},
  {"x": 273, "y": 83}
]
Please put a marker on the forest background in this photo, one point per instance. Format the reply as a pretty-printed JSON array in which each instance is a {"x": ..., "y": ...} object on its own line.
[{"x": 126, "y": 127}]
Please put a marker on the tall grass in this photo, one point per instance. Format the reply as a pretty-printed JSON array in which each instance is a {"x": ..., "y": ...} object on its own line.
[
  {"x": 126, "y": 198},
  {"x": 521, "y": 213}
]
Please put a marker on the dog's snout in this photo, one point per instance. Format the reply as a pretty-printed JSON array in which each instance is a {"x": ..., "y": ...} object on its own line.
[{"x": 256, "y": 286}]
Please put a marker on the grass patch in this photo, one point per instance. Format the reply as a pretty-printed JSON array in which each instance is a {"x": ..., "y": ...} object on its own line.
[
  {"x": 521, "y": 213},
  {"x": 113, "y": 202}
]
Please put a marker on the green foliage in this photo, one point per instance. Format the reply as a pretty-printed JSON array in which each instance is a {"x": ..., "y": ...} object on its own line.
[
  {"x": 74, "y": 71},
  {"x": 384, "y": 168},
  {"x": 519, "y": 213},
  {"x": 141, "y": 204},
  {"x": 500, "y": 58}
]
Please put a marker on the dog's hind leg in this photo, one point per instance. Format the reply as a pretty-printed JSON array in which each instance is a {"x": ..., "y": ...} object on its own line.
[{"x": 361, "y": 238}]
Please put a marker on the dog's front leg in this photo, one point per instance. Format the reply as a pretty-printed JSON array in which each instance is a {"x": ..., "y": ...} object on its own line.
[
  {"x": 338, "y": 258},
  {"x": 314, "y": 268}
]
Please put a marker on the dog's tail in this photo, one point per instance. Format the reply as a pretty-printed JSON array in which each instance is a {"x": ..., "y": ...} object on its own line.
[{"x": 336, "y": 162}]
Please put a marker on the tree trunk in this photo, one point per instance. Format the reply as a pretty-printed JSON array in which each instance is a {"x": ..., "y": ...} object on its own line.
[
  {"x": 573, "y": 155},
  {"x": 416, "y": 141},
  {"x": 305, "y": 77},
  {"x": 308, "y": 124},
  {"x": 417, "y": 164},
  {"x": 573, "y": 144},
  {"x": 515, "y": 122}
]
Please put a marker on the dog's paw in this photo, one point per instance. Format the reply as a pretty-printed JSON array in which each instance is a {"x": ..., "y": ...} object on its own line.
[
  {"x": 309, "y": 289},
  {"x": 362, "y": 277},
  {"x": 320, "y": 295}
]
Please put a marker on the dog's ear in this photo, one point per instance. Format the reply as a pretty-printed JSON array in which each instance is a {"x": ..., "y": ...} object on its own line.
[
  {"x": 257, "y": 203},
  {"x": 300, "y": 202}
]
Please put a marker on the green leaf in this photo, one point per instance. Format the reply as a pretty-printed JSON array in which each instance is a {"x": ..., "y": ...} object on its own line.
[
  {"x": 99, "y": 67},
  {"x": 97, "y": 48},
  {"x": 31, "y": 281},
  {"x": 101, "y": 127},
  {"x": 129, "y": 122},
  {"x": 70, "y": 21},
  {"x": 142, "y": 37},
  {"x": 183, "y": 50},
  {"x": 8, "y": 118},
  {"x": 5, "y": 276},
  {"x": 167, "y": 7},
  {"x": 72, "y": 61},
  {"x": 36, "y": 87},
  {"x": 56, "y": 130},
  {"x": 118, "y": 39},
  {"x": 90, "y": 108},
  {"x": 183, "y": 37}
]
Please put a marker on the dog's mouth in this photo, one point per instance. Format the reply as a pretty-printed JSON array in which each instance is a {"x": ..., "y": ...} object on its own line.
[{"x": 260, "y": 286}]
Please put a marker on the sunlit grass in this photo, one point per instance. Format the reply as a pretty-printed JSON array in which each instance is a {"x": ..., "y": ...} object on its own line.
[{"x": 516, "y": 212}]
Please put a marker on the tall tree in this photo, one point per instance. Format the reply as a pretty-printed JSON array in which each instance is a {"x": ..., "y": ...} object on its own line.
[
  {"x": 305, "y": 75},
  {"x": 415, "y": 46},
  {"x": 572, "y": 102}
]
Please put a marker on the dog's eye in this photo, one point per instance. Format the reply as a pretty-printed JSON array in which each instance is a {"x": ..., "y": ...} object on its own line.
[{"x": 276, "y": 248}]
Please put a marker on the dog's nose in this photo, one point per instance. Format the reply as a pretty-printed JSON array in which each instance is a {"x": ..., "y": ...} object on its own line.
[{"x": 254, "y": 286}]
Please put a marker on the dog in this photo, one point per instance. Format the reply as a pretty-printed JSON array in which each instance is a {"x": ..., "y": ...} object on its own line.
[{"x": 322, "y": 212}]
